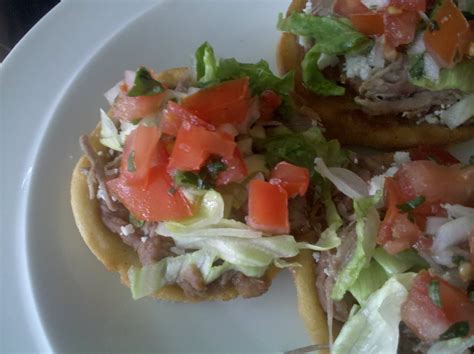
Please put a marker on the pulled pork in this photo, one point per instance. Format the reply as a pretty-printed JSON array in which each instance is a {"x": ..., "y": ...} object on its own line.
[{"x": 389, "y": 91}]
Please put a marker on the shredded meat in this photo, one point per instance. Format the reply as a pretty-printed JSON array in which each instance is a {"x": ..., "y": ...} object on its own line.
[
  {"x": 389, "y": 91},
  {"x": 420, "y": 102},
  {"x": 96, "y": 170},
  {"x": 191, "y": 281},
  {"x": 151, "y": 251},
  {"x": 409, "y": 343},
  {"x": 249, "y": 287}
]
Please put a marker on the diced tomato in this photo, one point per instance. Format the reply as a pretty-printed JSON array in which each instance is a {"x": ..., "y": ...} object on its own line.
[
  {"x": 174, "y": 115},
  {"x": 294, "y": 179},
  {"x": 236, "y": 169},
  {"x": 158, "y": 201},
  {"x": 425, "y": 318},
  {"x": 268, "y": 207},
  {"x": 400, "y": 28},
  {"x": 447, "y": 42},
  {"x": 194, "y": 145},
  {"x": 130, "y": 108},
  {"x": 224, "y": 103},
  {"x": 141, "y": 152},
  {"x": 409, "y": 5},
  {"x": 370, "y": 23},
  {"x": 269, "y": 102},
  {"x": 397, "y": 232},
  {"x": 349, "y": 7},
  {"x": 434, "y": 153},
  {"x": 436, "y": 183}
]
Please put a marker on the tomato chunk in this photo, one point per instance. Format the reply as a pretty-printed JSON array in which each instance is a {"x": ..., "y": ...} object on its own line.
[
  {"x": 349, "y": 7},
  {"x": 236, "y": 169},
  {"x": 425, "y": 318},
  {"x": 294, "y": 179},
  {"x": 174, "y": 115},
  {"x": 447, "y": 42},
  {"x": 158, "y": 201},
  {"x": 409, "y": 5},
  {"x": 370, "y": 23},
  {"x": 130, "y": 108},
  {"x": 141, "y": 152},
  {"x": 400, "y": 28},
  {"x": 194, "y": 145},
  {"x": 228, "y": 102},
  {"x": 268, "y": 207},
  {"x": 436, "y": 183},
  {"x": 269, "y": 102},
  {"x": 397, "y": 232},
  {"x": 433, "y": 153}
]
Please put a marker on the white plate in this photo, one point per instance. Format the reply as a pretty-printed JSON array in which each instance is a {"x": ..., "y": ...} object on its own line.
[{"x": 81, "y": 306}]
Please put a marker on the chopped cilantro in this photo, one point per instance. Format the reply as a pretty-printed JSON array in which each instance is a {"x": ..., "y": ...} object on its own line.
[
  {"x": 145, "y": 84},
  {"x": 411, "y": 204}
]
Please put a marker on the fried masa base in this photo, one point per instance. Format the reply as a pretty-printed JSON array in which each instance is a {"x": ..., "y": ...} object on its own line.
[
  {"x": 107, "y": 246},
  {"x": 343, "y": 118}
]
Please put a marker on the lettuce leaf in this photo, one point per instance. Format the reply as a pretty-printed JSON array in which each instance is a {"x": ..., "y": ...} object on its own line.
[
  {"x": 329, "y": 238},
  {"x": 399, "y": 263},
  {"x": 302, "y": 148},
  {"x": 109, "y": 135},
  {"x": 369, "y": 280},
  {"x": 151, "y": 278},
  {"x": 374, "y": 328},
  {"x": 334, "y": 36},
  {"x": 460, "y": 77},
  {"x": 211, "y": 71},
  {"x": 367, "y": 226}
]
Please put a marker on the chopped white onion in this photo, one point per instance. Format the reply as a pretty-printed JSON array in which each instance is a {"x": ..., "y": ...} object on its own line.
[
  {"x": 418, "y": 45},
  {"x": 129, "y": 78},
  {"x": 376, "y": 57},
  {"x": 113, "y": 92},
  {"x": 326, "y": 60},
  {"x": 345, "y": 180},
  {"x": 457, "y": 211},
  {"x": 452, "y": 233},
  {"x": 376, "y": 4},
  {"x": 459, "y": 112},
  {"x": 433, "y": 223}
]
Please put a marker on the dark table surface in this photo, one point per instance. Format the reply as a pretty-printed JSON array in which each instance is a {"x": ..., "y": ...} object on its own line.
[{"x": 17, "y": 17}]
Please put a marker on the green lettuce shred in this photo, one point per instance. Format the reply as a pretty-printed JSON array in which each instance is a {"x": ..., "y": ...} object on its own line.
[
  {"x": 367, "y": 226},
  {"x": 334, "y": 36},
  {"x": 374, "y": 328},
  {"x": 452, "y": 346},
  {"x": 369, "y": 280},
  {"x": 459, "y": 77},
  {"x": 399, "y": 263}
]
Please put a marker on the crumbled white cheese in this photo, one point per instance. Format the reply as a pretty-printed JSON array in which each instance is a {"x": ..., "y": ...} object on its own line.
[
  {"x": 357, "y": 66},
  {"x": 100, "y": 193},
  {"x": 401, "y": 157},
  {"x": 127, "y": 229},
  {"x": 376, "y": 58},
  {"x": 143, "y": 239},
  {"x": 100, "y": 152},
  {"x": 376, "y": 4}
]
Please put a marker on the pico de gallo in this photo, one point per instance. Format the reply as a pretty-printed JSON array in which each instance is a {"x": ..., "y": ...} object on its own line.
[
  {"x": 198, "y": 176},
  {"x": 408, "y": 59},
  {"x": 402, "y": 275}
]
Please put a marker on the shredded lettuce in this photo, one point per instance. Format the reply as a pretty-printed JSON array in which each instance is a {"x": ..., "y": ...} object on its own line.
[
  {"x": 459, "y": 77},
  {"x": 210, "y": 71},
  {"x": 334, "y": 36},
  {"x": 369, "y": 280},
  {"x": 452, "y": 346},
  {"x": 151, "y": 278},
  {"x": 399, "y": 263},
  {"x": 374, "y": 328},
  {"x": 329, "y": 238},
  {"x": 109, "y": 135},
  {"x": 367, "y": 227},
  {"x": 302, "y": 148},
  {"x": 460, "y": 112}
]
